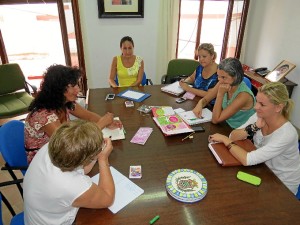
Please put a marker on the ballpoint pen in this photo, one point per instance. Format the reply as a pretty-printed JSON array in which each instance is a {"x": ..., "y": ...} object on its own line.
[{"x": 187, "y": 136}]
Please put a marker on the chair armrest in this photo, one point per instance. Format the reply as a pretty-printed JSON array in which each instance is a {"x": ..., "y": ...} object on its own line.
[
  {"x": 163, "y": 79},
  {"x": 149, "y": 81},
  {"x": 33, "y": 90},
  {"x": 14, "y": 168},
  {"x": 11, "y": 182}
]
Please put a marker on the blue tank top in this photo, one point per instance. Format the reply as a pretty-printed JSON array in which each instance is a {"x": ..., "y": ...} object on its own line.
[{"x": 202, "y": 83}]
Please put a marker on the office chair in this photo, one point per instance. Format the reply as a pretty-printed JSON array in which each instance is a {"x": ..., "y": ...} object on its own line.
[
  {"x": 145, "y": 80},
  {"x": 248, "y": 82},
  {"x": 15, "y": 95},
  {"x": 178, "y": 68},
  {"x": 12, "y": 149},
  {"x": 17, "y": 219}
]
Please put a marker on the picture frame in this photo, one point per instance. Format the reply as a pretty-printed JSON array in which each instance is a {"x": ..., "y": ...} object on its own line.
[
  {"x": 121, "y": 9},
  {"x": 280, "y": 71}
]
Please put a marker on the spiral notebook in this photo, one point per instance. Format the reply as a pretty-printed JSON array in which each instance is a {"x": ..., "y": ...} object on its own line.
[
  {"x": 190, "y": 118},
  {"x": 173, "y": 89}
]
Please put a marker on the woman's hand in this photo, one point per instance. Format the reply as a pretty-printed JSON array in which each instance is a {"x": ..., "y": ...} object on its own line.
[
  {"x": 198, "y": 110},
  {"x": 115, "y": 124},
  {"x": 106, "y": 120},
  {"x": 219, "y": 138},
  {"x": 260, "y": 123},
  {"x": 106, "y": 150},
  {"x": 223, "y": 88}
]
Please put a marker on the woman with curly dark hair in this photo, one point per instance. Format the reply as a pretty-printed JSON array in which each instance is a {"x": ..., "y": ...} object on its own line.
[{"x": 52, "y": 106}]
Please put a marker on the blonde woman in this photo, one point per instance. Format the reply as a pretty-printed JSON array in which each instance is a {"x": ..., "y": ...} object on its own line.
[
  {"x": 56, "y": 184},
  {"x": 274, "y": 136},
  {"x": 205, "y": 76}
]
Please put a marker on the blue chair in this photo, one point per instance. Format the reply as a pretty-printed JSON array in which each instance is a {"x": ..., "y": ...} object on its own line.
[
  {"x": 144, "y": 82},
  {"x": 12, "y": 149},
  {"x": 248, "y": 82},
  {"x": 17, "y": 219}
]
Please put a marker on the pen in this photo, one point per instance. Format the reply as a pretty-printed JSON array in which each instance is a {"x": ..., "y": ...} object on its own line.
[
  {"x": 201, "y": 117},
  {"x": 187, "y": 136},
  {"x": 154, "y": 220}
]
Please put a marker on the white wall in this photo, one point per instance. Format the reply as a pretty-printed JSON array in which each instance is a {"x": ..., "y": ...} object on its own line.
[
  {"x": 102, "y": 40},
  {"x": 273, "y": 34}
]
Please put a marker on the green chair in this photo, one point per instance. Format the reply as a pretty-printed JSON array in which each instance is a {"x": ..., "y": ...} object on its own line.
[
  {"x": 177, "y": 68},
  {"x": 15, "y": 95}
]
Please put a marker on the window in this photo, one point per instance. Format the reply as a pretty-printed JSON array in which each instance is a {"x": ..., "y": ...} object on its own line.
[
  {"x": 221, "y": 23},
  {"x": 37, "y": 34}
]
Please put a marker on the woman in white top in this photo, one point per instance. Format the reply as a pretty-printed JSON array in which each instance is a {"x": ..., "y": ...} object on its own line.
[
  {"x": 56, "y": 184},
  {"x": 274, "y": 136}
]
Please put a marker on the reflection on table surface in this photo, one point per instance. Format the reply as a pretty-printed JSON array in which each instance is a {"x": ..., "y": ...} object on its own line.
[{"x": 228, "y": 200}]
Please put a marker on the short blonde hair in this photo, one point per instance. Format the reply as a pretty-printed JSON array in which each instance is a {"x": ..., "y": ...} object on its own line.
[
  {"x": 278, "y": 94},
  {"x": 209, "y": 48},
  {"x": 75, "y": 143}
]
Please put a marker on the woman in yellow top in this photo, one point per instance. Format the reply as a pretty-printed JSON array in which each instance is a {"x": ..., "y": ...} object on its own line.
[{"x": 128, "y": 68}]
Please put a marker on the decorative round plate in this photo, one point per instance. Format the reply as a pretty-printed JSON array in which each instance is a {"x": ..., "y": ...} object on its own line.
[{"x": 186, "y": 185}]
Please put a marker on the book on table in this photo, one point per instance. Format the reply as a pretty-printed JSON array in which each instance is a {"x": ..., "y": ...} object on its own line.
[
  {"x": 173, "y": 89},
  {"x": 190, "y": 118},
  {"x": 223, "y": 155},
  {"x": 169, "y": 122}
]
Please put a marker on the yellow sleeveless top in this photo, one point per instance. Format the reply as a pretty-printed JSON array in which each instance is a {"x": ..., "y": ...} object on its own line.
[{"x": 127, "y": 76}]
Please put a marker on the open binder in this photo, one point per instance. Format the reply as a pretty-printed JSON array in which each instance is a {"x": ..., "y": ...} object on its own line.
[{"x": 224, "y": 157}]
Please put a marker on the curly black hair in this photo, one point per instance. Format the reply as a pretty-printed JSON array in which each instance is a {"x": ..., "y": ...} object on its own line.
[{"x": 55, "y": 82}]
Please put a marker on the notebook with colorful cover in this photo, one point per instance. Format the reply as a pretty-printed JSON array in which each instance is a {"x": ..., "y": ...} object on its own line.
[
  {"x": 190, "y": 118},
  {"x": 170, "y": 124},
  {"x": 224, "y": 157}
]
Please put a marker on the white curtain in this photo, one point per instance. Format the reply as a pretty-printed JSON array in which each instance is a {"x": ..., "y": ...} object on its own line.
[{"x": 167, "y": 35}]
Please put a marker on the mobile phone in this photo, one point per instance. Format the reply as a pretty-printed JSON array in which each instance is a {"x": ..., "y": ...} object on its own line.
[
  {"x": 110, "y": 96},
  {"x": 198, "y": 128},
  {"x": 251, "y": 179},
  {"x": 180, "y": 100}
]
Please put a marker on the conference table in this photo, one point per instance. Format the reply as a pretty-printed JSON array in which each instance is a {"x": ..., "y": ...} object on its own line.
[{"x": 228, "y": 200}]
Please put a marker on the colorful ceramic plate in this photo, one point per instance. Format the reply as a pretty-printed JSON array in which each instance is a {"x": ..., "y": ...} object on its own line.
[{"x": 186, "y": 185}]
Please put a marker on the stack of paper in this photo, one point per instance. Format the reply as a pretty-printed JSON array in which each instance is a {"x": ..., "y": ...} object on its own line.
[
  {"x": 173, "y": 89},
  {"x": 126, "y": 190}
]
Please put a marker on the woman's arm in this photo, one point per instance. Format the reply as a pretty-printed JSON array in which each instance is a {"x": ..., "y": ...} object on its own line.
[
  {"x": 101, "y": 195},
  {"x": 239, "y": 103},
  {"x": 113, "y": 73},
  {"x": 239, "y": 153},
  {"x": 211, "y": 94},
  {"x": 102, "y": 121},
  {"x": 185, "y": 85},
  {"x": 140, "y": 75}
]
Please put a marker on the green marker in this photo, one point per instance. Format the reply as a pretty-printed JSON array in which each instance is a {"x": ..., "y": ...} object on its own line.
[{"x": 154, "y": 220}]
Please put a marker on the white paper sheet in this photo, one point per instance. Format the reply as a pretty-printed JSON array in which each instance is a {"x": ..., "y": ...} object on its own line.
[
  {"x": 133, "y": 94},
  {"x": 126, "y": 190}
]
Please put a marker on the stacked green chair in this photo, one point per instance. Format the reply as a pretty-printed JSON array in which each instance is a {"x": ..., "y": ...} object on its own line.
[
  {"x": 15, "y": 95},
  {"x": 178, "y": 68}
]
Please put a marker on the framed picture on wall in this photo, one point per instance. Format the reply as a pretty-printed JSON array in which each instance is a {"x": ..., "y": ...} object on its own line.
[
  {"x": 121, "y": 8},
  {"x": 280, "y": 71}
]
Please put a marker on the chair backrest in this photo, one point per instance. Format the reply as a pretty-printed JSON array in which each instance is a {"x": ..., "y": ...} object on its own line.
[
  {"x": 248, "y": 82},
  {"x": 12, "y": 144},
  {"x": 11, "y": 78},
  {"x": 177, "y": 67},
  {"x": 143, "y": 83}
]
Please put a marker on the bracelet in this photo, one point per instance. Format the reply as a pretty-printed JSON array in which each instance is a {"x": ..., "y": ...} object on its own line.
[
  {"x": 251, "y": 129},
  {"x": 229, "y": 146}
]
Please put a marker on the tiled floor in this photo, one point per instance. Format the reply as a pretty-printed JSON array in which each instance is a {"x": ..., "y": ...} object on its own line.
[{"x": 11, "y": 193}]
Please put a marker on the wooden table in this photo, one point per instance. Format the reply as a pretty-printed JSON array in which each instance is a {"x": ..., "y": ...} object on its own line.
[{"x": 228, "y": 200}]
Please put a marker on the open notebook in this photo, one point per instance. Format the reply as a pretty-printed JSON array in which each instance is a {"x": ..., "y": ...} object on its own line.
[
  {"x": 190, "y": 118},
  {"x": 114, "y": 134}
]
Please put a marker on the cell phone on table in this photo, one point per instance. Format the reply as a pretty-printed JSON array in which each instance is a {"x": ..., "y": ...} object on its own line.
[
  {"x": 110, "y": 97},
  {"x": 180, "y": 100},
  {"x": 198, "y": 128}
]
